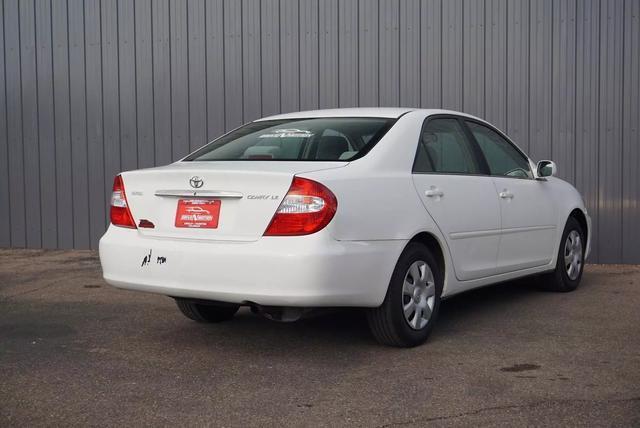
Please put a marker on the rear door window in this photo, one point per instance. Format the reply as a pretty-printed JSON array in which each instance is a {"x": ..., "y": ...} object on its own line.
[{"x": 444, "y": 148}]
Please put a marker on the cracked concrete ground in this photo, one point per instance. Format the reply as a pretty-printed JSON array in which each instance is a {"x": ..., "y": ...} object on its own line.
[{"x": 74, "y": 351}]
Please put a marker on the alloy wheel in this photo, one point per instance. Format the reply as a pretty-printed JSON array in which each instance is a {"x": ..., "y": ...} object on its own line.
[
  {"x": 573, "y": 255},
  {"x": 418, "y": 295}
]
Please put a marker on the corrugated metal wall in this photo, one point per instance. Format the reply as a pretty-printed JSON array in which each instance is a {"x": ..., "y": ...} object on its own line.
[{"x": 92, "y": 87}]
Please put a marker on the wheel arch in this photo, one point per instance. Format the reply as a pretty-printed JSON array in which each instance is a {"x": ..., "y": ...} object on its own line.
[
  {"x": 433, "y": 244},
  {"x": 582, "y": 220}
]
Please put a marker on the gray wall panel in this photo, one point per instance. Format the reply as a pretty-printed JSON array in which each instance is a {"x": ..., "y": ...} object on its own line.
[
  {"x": 232, "y": 14},
  {"x": 328, "y": 51},
  {"x": 197, "y": 75},
  {"x": 309, "y": 97},
  {"x": 495, "y": 96},
  {"x": 452, "y": 55},
  {"x": 110, "y": 95},
  {"x": 161, "y": 76},
  {"x": 518, "y": 72},
  {"x": 587, "y": 108},
  {"x": 563, "y": 92},
  {"x": 368, "y": 53},
  {"x": 389, "y": 33},
  {"x": 251, "y": 82},
  {"x": 90, "y": 88},
  {"x": 127, "y": 62},
  {"x": 540, "y": 72},
  {"x": 289, "y": 56},
  {"x": 31, "y": 160},
  {"x": 431, "y": 53},
  {"x": 270, "y": 56},
  {"x": 62, "y": 112},
  {"x": 473, "y": 78},
  {"x": 179, "y": 78},
  {"x": 348, "y": 53},
  {"x": 410, "y": 53},
  {"x": 46, "y": 142},
  {"x": 5, "y": 214},
  {"x": 95, "y": 144},
  {"x": 13, "y": 89},
  {"x": 631, "y": 135},
  {"x": 610, "y": 133},
  {"x": 78, "y": 121},
  {"x": 144, "y": 84}
]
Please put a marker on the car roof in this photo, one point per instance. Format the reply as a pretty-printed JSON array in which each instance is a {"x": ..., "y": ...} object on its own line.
[
  {"x": 387, "y": 112},
  {"x": 390, "y": 112}
]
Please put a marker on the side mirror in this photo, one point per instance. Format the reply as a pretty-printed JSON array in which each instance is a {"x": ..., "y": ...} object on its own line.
[{"x": 547, "y": 168}]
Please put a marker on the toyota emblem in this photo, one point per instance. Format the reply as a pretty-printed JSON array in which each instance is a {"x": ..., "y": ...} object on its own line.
[{"x": 196, "y": 182}]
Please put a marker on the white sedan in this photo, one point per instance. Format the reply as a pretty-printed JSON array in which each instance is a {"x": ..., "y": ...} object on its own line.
[{"x": 383, "y": 208}]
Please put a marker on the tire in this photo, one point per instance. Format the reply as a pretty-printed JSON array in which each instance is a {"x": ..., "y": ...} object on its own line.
[
  {"x": 563, "y": 279},
  {"x": 203, "y": 312},
  {"x": 388, "y": 322}
]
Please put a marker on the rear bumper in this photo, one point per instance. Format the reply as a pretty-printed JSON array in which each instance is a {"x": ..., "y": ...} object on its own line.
[{"x": 305, "y": 271}]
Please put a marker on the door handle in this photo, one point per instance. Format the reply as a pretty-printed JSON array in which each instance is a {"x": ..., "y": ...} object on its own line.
[
  {"x": 433, "y": 192},
  {"x": 505, "y": 194}
]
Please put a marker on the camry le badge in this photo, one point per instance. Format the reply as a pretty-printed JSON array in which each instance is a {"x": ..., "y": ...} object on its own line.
[{"x": 196, "y": 182}]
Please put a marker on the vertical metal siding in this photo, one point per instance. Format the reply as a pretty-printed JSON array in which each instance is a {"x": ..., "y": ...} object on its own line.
[
  {"x": 473, "y": 42},
  {"x": 431, "y": 53},
  {"x": 5, "y": 215},
  {"x": 308, "y": 55},
  {"x": 347, "y": 53},
  {"x": 563, "y": 88},
  {"x": 46, "y": 125},
  {"x": 95, "y": 144},
  {"x": 389, "y": 75},
  {"x": 410, "y": 53},
  {"x": 90, "y": 88},
  {"x": 495, "y": 94},
  {"x": 368, "y": 53},
  {"x": 631, "y": 134}
]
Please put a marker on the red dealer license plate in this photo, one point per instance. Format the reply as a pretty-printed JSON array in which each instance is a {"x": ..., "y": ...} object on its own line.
[{"x": 198, "y": 213}]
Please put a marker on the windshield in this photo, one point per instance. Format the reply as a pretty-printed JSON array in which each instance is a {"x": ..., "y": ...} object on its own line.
[{"x": 319, "y": 139}]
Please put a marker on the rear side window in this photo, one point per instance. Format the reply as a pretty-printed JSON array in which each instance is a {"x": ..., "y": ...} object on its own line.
[
  {"x": 319, "y": 139},
  {"x": 502, "y": 157},
  {"x": 444, "y": 148}
]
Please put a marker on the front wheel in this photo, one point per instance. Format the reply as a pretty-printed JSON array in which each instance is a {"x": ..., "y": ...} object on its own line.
[
  {"x": 568, "y": 272},
  {"x": 410, "y": 308},
  {"x": 205, "y": 312}
]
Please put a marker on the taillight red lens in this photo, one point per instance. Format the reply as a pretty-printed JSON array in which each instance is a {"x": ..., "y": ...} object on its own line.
[
  {"x": 120, "y": 214},
  {"x": 307, "y": 208}
]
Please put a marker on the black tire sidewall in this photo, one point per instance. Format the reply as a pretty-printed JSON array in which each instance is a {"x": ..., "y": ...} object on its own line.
[
  {"x": 561, "y": 275},
  {"x": 413, "y": 252}
]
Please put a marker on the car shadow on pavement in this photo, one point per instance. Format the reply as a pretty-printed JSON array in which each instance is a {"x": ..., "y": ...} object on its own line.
[{"x": 348, "y": 326}]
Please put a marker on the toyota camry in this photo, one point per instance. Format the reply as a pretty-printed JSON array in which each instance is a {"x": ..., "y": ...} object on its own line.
[{"x": 387, "y": 209}]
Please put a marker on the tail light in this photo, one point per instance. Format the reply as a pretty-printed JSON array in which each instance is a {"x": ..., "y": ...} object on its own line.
[
  {"x": 120, "y": 213},
  {"x": 307, "y": 208}
]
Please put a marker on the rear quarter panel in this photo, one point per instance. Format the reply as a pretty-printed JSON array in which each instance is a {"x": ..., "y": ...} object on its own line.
[{"x": 377, "y": 200}]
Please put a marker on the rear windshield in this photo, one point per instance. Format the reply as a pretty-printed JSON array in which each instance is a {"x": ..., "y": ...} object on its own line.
[{"x": 319, "y": 139}]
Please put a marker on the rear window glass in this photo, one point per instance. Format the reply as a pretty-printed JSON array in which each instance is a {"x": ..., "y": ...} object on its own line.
[{"x": 319, "y": 139}]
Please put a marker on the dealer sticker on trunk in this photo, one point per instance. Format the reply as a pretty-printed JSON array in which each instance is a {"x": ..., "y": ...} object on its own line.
[{"x": 198, "y": 213}]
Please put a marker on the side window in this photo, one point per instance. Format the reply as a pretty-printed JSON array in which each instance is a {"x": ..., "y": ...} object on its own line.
[
  {"x": 502, "y": 157},
  {"x": 444, "y": 148}
]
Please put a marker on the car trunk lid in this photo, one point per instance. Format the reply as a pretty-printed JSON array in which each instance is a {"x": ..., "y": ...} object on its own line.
[{"x": 240, "y": 196}]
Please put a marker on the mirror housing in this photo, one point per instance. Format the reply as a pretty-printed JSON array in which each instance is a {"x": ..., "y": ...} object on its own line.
[{"x": 546, "y": 168}]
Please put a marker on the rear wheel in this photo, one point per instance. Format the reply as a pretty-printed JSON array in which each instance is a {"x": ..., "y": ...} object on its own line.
[
  {"x": 410, "y": 308},
  {"x": 205, "y": 312},
  {"x": 568, "y": 272}
]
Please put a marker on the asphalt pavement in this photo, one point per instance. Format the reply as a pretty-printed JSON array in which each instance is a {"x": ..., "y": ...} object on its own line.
[{"x": 75, "y": 351}]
